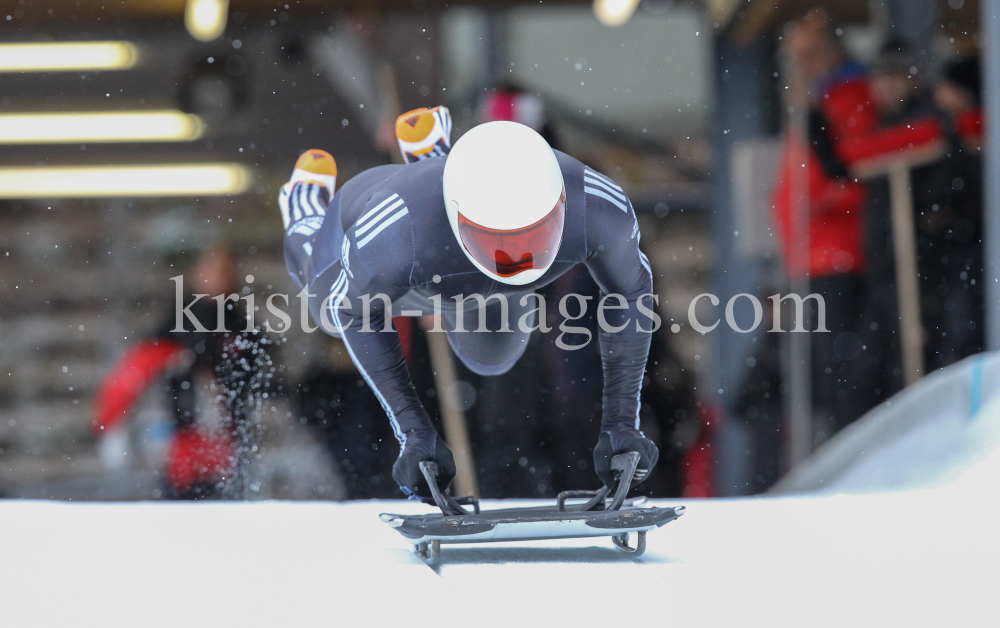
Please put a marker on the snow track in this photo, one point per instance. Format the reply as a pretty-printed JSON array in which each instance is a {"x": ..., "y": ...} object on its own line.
[
  {"x": 914, "y": 558},
  {"x": 921, "y": 557}
]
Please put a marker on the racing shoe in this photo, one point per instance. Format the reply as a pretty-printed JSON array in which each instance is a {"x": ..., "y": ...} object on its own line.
[
  {"x": 618, "y": 441},
  {"x": 317, "y": 169},
  {"x": 422, "y": 445},
  {"x": 424, "y": 133}
]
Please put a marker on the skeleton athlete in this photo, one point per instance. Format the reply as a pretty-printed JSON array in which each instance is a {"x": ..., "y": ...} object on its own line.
[{"x": 497, "y": 216}]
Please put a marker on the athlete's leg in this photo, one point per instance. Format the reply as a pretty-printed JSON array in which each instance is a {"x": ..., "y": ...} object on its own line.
[
  {"x": 303, "y": 202},
  {"x": 491, "y": 352}
]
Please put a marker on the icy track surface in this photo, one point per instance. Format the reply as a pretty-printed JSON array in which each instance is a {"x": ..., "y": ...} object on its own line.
[
  {"x": 927, "y": 556},
  {"x": 922, "y": 558}
]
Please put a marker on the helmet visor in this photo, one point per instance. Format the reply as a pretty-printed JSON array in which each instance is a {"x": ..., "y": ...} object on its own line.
[{"x": 509, "y": 252}]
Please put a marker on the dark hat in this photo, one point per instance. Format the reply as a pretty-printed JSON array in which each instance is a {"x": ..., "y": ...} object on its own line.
[
  {"x": 895, "y": 57},
  {"x": 966, "y": 74}
]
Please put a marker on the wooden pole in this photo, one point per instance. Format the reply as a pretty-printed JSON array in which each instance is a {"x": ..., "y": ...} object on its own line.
[
  {"x": 907, "y": 287},
  {"x": 455, "y": 431},
  {"x": 904, "y": 242},
  {"x": 799, "y": 350},
  {"x": 989, "y": 12}
]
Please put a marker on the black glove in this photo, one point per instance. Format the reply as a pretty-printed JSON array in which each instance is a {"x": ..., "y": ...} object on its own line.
[
  {"x": 615, "y": 441},
  {"x": 423, "y": 445}
]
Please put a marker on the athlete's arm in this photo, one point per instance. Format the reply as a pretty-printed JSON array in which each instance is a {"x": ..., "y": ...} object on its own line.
[
  {"x": 375, "y": 270},
  {"x": 619, "y": 268}
]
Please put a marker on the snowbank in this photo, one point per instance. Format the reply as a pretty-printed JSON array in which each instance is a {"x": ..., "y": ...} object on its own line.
[{"x": 926, "y": 436}]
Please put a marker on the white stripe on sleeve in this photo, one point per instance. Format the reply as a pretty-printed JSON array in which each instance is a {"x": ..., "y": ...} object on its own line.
[
  {"x": 384, "y": 225},
  {"x": 385, "y": 212},
  {"x": 607, "y": 197},
  {"x": 375, "y": 209},
  {"x": 600, "y": 183}
]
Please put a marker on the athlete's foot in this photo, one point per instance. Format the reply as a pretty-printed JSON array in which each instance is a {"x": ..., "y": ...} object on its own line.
[
  {"x": 424, "y": 133},
  {"x": 317, "y": 166},
  {"x": 314, "y": 168}
]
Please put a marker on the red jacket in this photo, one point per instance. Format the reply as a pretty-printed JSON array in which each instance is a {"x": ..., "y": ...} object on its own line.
[
  {"x": 134, "y": 373},
  {"x": 837, "y": 201},
  {"x": 969, "y": 124},
  {"x": 836, "y": 206}
]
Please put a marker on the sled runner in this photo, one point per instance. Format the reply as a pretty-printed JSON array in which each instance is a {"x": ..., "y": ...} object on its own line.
[{"x": 600, "y": 515}]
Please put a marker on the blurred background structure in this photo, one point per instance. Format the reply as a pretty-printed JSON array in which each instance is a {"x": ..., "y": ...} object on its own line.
[{"x": 141, "y": 134}]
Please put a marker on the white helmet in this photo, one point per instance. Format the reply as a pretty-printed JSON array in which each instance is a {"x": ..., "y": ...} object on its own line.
[{"x": 506, "y": 202}]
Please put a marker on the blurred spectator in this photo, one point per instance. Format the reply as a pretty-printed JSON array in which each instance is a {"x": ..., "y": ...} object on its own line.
[
  {"x": 856, "y": 124},
  {"x": 959, "y": 95},
  {"x": 898, "y": 98},
  {"x": 947, "y": 202},
  {"x": 949, "y": 221},
  {"x": 835, "y": 89},
  {"x": 898, "y": 92},
  {"x": 201, "y": 463},
  {"x": 511, "y": 102}
]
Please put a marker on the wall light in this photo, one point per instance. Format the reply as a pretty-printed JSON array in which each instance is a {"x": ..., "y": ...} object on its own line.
[
  {"x": 206, "y": 19},
  {"x": 111, "y": 126},
  {"x": 61, "y": 57},
  {"x": 614, "y": 12},
  {"x": 106, "y": 181}
]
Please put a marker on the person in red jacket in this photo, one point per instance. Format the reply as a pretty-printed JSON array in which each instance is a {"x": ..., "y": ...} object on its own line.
[
  {"x": 946, "y": 196},
  {"x": 849, "y": 126},
  {"x": 852, "y": 128},
  {"x": 200, "y": 463},
  {"x": 813, "y": 181}
]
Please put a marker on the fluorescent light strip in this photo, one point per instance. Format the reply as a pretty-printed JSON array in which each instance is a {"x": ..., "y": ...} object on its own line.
[
  {"x": 112, "y": 126},
  {"x": 109, "y": 181},
  {"x": 62, "y": 57}
]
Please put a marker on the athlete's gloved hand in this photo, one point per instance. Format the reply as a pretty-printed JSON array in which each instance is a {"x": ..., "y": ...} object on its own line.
[
  {"x": 424, "y": 444},
  {"x": 619, "y": 440}
]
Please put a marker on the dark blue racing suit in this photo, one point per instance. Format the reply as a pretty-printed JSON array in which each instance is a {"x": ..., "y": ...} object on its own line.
[{"x": 384, "y": 241}]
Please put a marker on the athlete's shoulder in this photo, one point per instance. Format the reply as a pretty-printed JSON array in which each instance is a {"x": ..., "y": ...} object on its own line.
[
  {"x": 378, "y": 249},
  {"x": 602, "y": 191},
  {"x": 571, "y": 167},
  {"x": 598, "y": 189},
  {"x": 378, "y": 253},
  {"x": 611, "y": 219}
]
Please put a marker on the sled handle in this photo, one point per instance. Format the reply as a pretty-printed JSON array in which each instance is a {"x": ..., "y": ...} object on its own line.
[
  {"x": 596, "y": 497},
  {"x": 623, "y": 466},
  {"x": 448, "y": 504}
]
